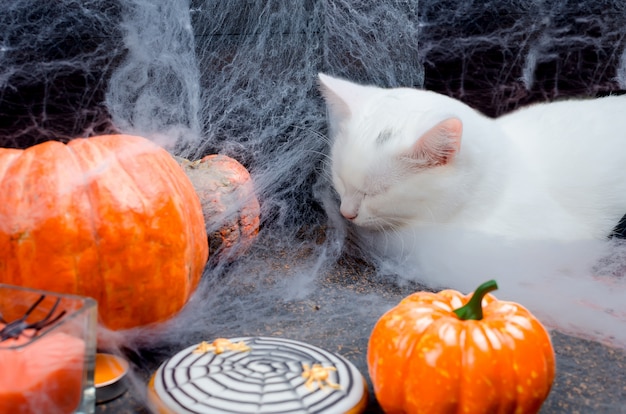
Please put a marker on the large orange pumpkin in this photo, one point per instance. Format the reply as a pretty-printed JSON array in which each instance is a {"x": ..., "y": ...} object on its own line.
[
  {"x": 111, "y": 217},
  {"x": 452, "y": 353}
]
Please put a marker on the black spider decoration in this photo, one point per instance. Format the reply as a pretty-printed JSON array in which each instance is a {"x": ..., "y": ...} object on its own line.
[{"x": 15, "y": 328}]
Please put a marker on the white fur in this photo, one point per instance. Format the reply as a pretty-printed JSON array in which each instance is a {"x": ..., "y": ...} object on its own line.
[{"x": 549, "y": 171}]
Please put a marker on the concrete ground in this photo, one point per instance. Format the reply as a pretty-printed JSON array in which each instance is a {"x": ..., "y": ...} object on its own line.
[{"x": 591, "y": 377}]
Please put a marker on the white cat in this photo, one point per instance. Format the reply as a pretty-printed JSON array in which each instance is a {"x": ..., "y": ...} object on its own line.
[
  {"x": 447, "y": 197},
  {"x": 410, "y": 158}
]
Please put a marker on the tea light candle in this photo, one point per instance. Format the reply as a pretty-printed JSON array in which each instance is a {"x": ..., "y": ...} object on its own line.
[{"x": 109, "y": 373}]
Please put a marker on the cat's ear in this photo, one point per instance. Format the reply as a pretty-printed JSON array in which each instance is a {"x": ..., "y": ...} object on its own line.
[
  {"x": 342, "y": 97},
  {"x": 437, "y": 146}
]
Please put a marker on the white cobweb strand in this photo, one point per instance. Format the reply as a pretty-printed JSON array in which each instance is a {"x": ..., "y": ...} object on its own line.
[
  {"x": 154, "y": 91},
  {"x": 621, "y": 71}
]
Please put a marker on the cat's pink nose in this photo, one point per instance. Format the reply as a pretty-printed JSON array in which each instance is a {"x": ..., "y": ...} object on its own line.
[{"x": 350, "y": 215}]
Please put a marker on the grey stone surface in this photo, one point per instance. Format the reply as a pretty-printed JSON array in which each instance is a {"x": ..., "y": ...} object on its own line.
[{"x": 591, "y": 377}]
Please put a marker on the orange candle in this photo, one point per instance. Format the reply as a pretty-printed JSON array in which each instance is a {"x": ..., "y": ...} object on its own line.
[
  {"x": 109, "y": 368},
  {"x": 43, "y": 376}
]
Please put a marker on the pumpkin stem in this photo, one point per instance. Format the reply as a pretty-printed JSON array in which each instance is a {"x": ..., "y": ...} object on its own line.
[{"x": 473, "y": 309}]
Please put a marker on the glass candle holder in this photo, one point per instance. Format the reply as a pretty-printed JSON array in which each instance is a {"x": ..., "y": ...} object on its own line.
[{"x": 47, "y": 352}]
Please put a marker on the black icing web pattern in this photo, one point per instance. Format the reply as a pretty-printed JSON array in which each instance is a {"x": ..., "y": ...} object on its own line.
[{"x": 266, "y": 379}]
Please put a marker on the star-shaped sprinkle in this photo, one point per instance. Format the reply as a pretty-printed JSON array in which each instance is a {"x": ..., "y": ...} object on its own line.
[
  {"x": 220, "y": 345},
  {"x": 318, "y": 375}
]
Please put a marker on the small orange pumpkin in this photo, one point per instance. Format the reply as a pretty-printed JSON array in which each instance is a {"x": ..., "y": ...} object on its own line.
[
  {"x": 112, "y": 217},
  {"x": 451, "y": 353},
  {"x": 230, "y": 206}
]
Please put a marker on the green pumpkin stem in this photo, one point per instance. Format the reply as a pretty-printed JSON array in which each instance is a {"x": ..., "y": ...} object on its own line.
[{"x": 473, "y": 309}]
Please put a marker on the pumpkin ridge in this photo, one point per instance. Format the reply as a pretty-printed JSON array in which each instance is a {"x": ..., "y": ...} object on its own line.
[
  {"x": 198, "y": 234},
  {"x": 16, "y": 157},
  {"x": 97, "y": 151},
  {"x": 431, "y": 332},
  {"x": 26, "y": 161},
  {"x": 502, "y": 346},
  {"x": 87, "y": 158},
  {"x": 8, "y": 157},
  {"x": 186, "y": 212},
  {"x": 518, "y": 359},
  {"x": 176, "y": 206},
  {"x": 40, "y": 212},
  {"x": 463, "y": 330},
  {"x": 110, "y": 145},
  {"x": 490, "y": 349},
  {"x": 414, "y": 376},
  {"x": 90, "y": 210},
  {"x": 119, "y": 159},
  {"x": 541, "y": 336},
  {"x": 169, "y": 169},
  {"x": 509, "y": 346}
]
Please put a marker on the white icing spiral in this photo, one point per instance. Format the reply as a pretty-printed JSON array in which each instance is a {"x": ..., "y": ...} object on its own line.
[{"x": 273, "y": 376}]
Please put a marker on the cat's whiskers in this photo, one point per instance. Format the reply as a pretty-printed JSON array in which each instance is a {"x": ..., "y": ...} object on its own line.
[
  {"x": 385, "y": 224},
  {"x": 325, "y": 157},
  {"x": 403, "y": 240},
  {"x": 430, "y": 212},
  {"x": 318, "y": 134},
  {"x": 325, "y": 160},
  {"x": 387, "y": 239},
  {"x": 325, "y": 170},
  {"x": 394, "y": 238}
]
